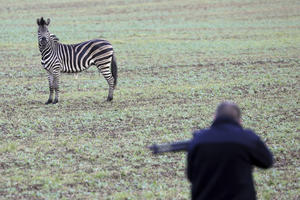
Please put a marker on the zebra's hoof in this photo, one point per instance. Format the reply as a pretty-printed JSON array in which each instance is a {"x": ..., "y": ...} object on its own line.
[
  {"x": 55, "y": 101},
  {"x": 49, "y": 101},
  {"x": 109, "y": 98}
]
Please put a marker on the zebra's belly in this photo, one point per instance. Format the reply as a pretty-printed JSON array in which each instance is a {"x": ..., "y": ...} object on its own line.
[{"x": 67, "y": 69}]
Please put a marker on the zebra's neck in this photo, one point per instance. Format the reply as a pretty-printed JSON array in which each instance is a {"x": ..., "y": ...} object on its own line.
[
  {"x": 50, "y": 48},
  {"x": 49, "y": 55}
]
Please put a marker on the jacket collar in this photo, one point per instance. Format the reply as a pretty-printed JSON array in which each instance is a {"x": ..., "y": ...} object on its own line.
[{"x": 225, "y": 120}]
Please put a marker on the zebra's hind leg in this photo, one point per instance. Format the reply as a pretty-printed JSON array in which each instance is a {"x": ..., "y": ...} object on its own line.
[
  {"x": 105, "y": 71},
  {"x": 50, "y": 79}
]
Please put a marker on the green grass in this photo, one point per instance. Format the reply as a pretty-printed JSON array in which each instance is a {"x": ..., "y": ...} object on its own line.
[{"x": 177, "y": 60}]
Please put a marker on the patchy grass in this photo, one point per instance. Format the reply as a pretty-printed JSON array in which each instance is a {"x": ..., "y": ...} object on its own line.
[{"x": 177, "y": 60}]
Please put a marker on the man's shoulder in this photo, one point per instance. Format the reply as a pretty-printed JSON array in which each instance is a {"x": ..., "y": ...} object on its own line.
[
  {"x": 200, "y": 132},
  {"x": 212, "y": 135},
  {"x": 251, "y": 134},
  {"x": 197, "y": 135}
]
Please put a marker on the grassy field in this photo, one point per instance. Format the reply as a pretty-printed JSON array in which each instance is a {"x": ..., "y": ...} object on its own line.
[{"x": 177, "y": 60}]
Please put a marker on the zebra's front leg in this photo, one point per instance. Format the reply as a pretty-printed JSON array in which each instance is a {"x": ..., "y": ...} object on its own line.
[
  {"x": 50, "y": 79},
  {"x": 56, "y": 86}
]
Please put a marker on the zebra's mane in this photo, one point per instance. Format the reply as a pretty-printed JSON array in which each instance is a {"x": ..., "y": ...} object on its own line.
[
  {"x": 54, "y": 38},
  {"x": 42, "y": 22}
]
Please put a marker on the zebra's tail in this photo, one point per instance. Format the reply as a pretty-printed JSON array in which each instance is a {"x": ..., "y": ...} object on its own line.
[{"x": 114, "y": 70}]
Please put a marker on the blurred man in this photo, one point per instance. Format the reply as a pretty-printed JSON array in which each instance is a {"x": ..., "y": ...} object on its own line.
[{"x": 221, "y": 158}]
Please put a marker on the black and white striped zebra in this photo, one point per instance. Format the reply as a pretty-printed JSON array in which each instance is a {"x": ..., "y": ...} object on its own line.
[{"x": 62, "y": 58}]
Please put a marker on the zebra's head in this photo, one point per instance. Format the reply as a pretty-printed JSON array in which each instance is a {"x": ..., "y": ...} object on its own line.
[{"x": 43, "y": 33}]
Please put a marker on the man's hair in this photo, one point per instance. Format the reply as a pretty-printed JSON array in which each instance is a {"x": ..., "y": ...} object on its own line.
[{"x": 228, "y": 109}]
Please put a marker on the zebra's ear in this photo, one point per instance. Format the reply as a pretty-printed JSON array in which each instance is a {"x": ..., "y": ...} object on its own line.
[
  {"x": 48, "y": 22},
  {"x": 38, "y": 21}
]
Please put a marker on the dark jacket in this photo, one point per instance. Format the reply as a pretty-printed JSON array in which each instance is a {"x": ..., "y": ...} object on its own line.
[{"x": 221, "y": 159}]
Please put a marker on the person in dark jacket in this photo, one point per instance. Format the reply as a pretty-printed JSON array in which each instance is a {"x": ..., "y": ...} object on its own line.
[{"x": 221, "y": 158}]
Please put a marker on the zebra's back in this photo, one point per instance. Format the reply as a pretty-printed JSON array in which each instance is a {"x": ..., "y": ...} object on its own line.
[{"x": 78, "y": 57}]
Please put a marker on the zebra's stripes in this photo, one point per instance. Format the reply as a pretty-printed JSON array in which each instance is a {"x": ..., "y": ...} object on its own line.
[{"x": 63, "y": 58}]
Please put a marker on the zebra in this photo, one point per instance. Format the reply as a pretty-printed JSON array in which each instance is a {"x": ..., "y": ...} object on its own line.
[{"x": 73, "y": 58}]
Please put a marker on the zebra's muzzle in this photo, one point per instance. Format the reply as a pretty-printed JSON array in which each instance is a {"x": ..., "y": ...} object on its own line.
[{"x": 43, "y": 42}]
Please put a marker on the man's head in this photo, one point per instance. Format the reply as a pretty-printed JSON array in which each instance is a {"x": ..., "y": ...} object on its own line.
[{"x": 230, "y": 110}]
